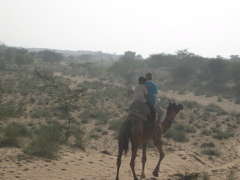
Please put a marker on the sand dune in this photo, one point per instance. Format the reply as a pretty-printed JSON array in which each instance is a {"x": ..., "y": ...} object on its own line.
[{"x": 76, "y": 164}]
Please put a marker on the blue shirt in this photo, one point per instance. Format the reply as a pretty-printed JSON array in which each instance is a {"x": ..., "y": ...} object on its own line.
[{"x": 152, "y": 89}]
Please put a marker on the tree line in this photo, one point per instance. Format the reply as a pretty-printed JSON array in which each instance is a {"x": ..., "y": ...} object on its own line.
[{"x": 186, "y": 69}]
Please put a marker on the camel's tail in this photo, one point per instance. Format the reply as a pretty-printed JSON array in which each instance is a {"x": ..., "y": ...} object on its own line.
[{"x": 126, "y": 136}]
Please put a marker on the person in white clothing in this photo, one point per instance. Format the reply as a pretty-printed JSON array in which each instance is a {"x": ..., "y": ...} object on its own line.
[
  {"x": 140, "y": 91},
  {"x": 159, "y": 110}
]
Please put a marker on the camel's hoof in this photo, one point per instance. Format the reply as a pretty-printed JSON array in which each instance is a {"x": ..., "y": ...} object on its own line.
[
  {"x": 143, "y": 176},
  {"x": 155, "y": 173}
]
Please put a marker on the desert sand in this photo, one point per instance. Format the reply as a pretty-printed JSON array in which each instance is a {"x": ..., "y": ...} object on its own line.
[
  {"x": 100, "y": 163},
  {"x": 73, "y": 163}
]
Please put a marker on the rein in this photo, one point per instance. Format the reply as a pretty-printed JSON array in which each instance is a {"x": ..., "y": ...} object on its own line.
[
  {"x": 168, "y": 120},
  {"x": 166, "y": 124}
]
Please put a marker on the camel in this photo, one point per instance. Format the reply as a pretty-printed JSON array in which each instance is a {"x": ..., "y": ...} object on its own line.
[{"x": 141, "y": 132}]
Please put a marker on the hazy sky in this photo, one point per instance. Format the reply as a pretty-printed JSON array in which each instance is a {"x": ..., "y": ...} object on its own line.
[{"x": 204, "y": 27}]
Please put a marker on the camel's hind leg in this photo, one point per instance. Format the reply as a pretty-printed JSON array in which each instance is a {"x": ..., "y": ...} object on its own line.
[
  {"x": 132, "y": 162},
  {"x": 158, "y": 144},
  {"x": 120, "y": 151},
  {"x": 136, "y": 137},
  {"x": 144, "y": 159}
]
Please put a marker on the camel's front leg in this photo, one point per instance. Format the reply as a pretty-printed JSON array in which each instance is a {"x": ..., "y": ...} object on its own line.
[
  {"x": 144, "y": 159},
  {"x": 158, "y": 144}
]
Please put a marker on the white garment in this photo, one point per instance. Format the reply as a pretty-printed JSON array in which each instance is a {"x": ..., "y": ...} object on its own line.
[{"x": 140, "y": 92}]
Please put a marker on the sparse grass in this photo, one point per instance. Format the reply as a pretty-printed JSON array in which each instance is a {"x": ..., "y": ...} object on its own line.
[
  {"x": 232, "y": 175},
  {"x": 205, "y": 176},
  {"x": 94, "y": 135},
  {"x": 187, "y": 176},
  {"x": 9, "y": 110},
  {"x": 100, "y": 115},
  {"x": 215, "y": 108},
  {"x": 191, "y": 104},
  {"x": 178, "y": 132},
  {"x": 223, "y": 135},
  {"x": 98, "y": 107},
  {"x": 205, "y": 132},
  {"x": 210, "y": 151},
  {"x": 208, "y": 145},
  {"x": 190, "y": 129},
  {"x": 104, "y": 133}
]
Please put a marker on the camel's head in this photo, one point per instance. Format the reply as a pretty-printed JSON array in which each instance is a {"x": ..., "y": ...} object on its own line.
[
  {"x": 174, "y": 108},
  {"x": 172, "y": 111}
]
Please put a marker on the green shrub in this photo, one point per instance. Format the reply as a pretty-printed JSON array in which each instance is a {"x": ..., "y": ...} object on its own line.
[
  {"x": 116, "y": 124},
  {"x": 177, "y": 135},
  {"x": 76, "y": 132},
  {"x": 100, "y": 115},
  {"x": 191, "y": 104},
  {"x": 178, "y": 132},
  {"x": 178, "y": 127},
  {"x": 215, "y": 108},
  {"x": 238, "y": 120},
  {"x": 205, "y": 145},
  {"x": 187, "y": 176},
  {"x": 180, "y": 136},
  {"x": 205, "y": 176},
  {"x": 189, "y": 129},
  {"x": 7, "y": 111},
  {"x": 205, "y": 132},
  {"x": 232, "y": 175},
  {"x": 39, "y": 113},
  {"x": 210, "y": 151},
  {"x": 104, "y": 133},
  {"x": 85, "y": 121},
  {"x": 47, "y": 140},
  {"x": 94, "y": 136},
  {"x": 12, "y": 134},
  {"x": 85, "y": 115},
  {"x": 223, "y": 135}
]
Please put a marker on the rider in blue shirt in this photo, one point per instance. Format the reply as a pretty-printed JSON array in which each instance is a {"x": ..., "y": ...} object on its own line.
[
  {"x": 152, "y": 94},
  {"x": 153, "y": 99}
]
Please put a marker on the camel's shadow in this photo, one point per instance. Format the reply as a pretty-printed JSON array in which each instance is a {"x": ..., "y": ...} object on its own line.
[{"x": 151, "y": 178}]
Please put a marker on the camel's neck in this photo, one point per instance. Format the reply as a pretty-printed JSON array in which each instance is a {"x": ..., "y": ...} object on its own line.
[{"x": 166, "y": 124}]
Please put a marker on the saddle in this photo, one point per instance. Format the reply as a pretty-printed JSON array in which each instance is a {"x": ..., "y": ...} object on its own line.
[{"x": 139, "y": 109}]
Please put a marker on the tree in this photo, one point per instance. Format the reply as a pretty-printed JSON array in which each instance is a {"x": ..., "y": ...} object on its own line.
[
  {"x": 128, "y": 56},
  {"x": 19, "y": 59},
  {"x": 216, "y": 66},
  {"x": 85, "y": 57},
  {"x": 215, "y": 71},
  {"x": 184, "y": 53},
  {"x": 183, "y": 70},
  {"x": 235, "y": 57},
  {"x": 161, "y": 60},
  {"x": 50, "y": 56},
  {"x": 22, "y": 59},
  {"x": 2, "y": 62},
  {"x": 62, "y": 94},
  {"x": 234, "y": 71}
]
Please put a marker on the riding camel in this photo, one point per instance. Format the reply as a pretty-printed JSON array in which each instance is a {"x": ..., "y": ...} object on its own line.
[{"x": 140, "y": 131}]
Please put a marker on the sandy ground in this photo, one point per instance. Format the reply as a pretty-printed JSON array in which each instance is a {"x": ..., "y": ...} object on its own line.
[
  {"x": 95, "y": 165},
  {"x": 76, "y": 164}
]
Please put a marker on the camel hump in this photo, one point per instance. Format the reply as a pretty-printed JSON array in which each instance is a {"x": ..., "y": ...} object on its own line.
[{"x": 141, "y": 107}]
